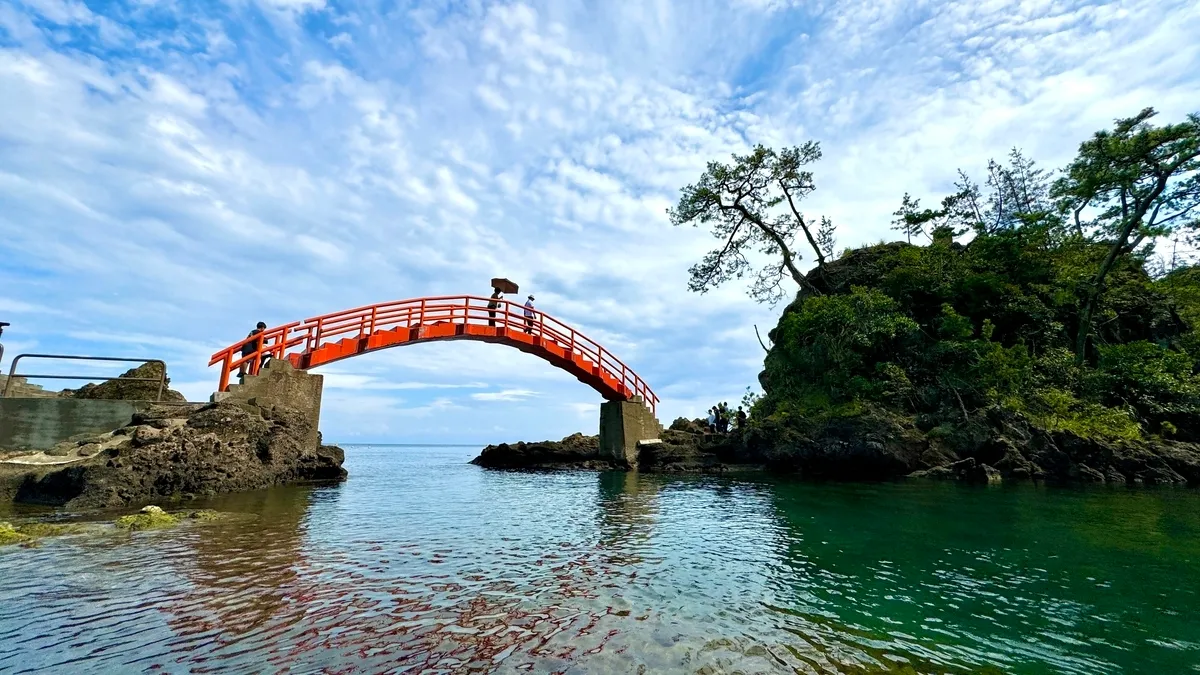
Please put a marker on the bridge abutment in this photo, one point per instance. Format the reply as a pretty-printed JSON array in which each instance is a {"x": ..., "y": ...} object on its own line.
[
  {"x": 622, "y": 425},
  {"x": 280, "y": 384}
]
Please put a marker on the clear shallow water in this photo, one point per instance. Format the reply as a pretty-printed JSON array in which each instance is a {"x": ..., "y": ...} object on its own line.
[{"x": 422, "y": 563}]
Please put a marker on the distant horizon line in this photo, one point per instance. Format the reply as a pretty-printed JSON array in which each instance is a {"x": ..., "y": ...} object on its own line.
[{"x": 417, "y": 445}]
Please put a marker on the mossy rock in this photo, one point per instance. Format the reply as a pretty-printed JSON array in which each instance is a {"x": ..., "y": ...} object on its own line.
[
  {"x": 36, "y": 530},
  {"x": 10, "y": 535},
  {"x": 151, "y": 517}
]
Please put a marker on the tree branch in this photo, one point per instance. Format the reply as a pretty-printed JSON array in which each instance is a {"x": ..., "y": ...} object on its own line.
[
  {"x": 760, "y": 340},
  {"x": 803, "y": 225},
  {"x": 770, "y": 232},
  {"x": 1078, "y": 225}
]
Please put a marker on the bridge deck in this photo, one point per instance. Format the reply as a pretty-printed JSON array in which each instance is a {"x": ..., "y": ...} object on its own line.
[{"x": 332, "y": 337}]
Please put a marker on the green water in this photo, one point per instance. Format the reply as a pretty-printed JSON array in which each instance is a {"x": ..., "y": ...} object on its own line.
[{"x": 422, "y": 563}]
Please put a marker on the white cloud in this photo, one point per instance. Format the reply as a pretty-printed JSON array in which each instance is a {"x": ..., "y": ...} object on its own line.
[
  {"x": 341, "y": 40},
  {"x": 505, "y": 395}
]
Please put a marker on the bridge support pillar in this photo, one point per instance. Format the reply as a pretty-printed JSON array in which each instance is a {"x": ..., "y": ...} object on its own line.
[
  {"x": 622, "y": 425},
  {"x": 282, "y": 385}
]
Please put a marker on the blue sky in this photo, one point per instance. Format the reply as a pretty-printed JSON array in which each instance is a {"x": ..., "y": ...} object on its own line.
[{"x": 172, "y": 172}]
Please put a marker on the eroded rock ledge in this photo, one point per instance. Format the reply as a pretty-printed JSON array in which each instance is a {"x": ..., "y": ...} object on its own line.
[{"x": 177, "y": 453}]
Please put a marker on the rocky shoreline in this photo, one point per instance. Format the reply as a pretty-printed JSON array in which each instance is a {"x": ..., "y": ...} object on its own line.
[
  {"x": 994, "y": 446},
  {"x": 174, "y": 453}
]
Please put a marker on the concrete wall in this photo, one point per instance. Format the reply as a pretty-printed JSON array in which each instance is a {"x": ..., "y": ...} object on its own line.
[
  {"x": 281, "y": 384},
  {"x": 622, "y": 425},
  {"x": 41, "y": 423}
]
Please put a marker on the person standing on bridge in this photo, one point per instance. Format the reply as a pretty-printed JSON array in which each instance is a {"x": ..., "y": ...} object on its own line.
[
  {"x": 529, "y": 315},
  {"x": 496, "y": 297},
  {"x": 250, "y": 348}
]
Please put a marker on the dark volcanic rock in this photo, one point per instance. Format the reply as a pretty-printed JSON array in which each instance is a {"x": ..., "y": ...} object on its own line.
[
  {"x": 676, "y": 451},
  {"x": 991, "y": 446},
  {"x": 1018, "y": 450},
  {"x": 872, "y": 446},
  {"x": 574, "y": 451},
  {"x": 169, "y": 452},
  {"x": 686, "y": 452},
  {"x": 966, "y": 470}
]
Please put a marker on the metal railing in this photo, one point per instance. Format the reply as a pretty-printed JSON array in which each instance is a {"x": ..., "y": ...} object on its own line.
[
  {"x": 305, "y": 337},
  {"x": 12, "y": 371}
]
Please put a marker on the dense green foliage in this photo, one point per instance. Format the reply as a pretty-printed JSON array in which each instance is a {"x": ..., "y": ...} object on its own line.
[
  {"x": 1048, "y": 308},
  {"x": 945, "y": 330}
]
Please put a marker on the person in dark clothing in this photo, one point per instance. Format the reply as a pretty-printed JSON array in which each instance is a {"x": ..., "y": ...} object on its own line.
[
  {"x": 741, "y": 418},
  {"x": 492, "y": 307},
  {"x": 250, "y": 348}
]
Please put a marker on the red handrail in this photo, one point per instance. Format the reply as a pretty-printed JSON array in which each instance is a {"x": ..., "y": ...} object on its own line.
[{"x": 361, "y": 322}]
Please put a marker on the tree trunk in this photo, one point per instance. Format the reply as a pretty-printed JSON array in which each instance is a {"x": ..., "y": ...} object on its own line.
[
  {"x": 1132, "y": 221},
  {"x": 788, "y": 261},
  {"x": 1084, "y": 331},
  {"x": 1093, "y": 294}
]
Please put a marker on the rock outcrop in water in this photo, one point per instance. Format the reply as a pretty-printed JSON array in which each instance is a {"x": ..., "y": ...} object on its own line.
[
  {"x": 677, "y": 451},
  {"x": 175, "y": 452},
  {"x": 576, "y": 450}
]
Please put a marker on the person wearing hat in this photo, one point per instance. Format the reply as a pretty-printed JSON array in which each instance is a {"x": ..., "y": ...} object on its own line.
[{"x": 529, "y": 315}]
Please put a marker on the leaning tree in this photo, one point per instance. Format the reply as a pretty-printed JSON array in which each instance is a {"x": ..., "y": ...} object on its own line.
[{"x": 753, "y": 203}]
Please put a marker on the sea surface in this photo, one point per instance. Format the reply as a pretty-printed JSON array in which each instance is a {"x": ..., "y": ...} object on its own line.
[{"x": 421, "y": 562}]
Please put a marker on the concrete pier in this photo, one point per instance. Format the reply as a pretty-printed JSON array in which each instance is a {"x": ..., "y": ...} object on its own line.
[
  {"x": 282, "y": 385},
  {"x": 622, "y": 425}
]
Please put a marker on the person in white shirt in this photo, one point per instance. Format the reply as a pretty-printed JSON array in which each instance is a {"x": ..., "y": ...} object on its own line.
[{"x": 529, "y": 315}]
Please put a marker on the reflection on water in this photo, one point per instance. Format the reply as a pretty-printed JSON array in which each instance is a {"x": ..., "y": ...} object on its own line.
[{"x": 422, "y": 563}]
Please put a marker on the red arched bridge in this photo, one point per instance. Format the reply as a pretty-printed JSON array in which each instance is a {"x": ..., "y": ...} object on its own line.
[{"x": 332, "y": 337}]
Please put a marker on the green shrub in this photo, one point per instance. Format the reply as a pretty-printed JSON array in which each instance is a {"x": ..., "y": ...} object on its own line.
[{"x": 1058, "y": 410}]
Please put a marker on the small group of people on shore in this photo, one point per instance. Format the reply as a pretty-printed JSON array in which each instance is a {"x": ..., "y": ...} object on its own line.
[
  {"x": 721, "y": 416},
  {"x": 494, "y": 304}
]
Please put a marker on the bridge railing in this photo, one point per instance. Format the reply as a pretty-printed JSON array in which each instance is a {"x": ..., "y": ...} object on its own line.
[{"x": 361, "y": 322}]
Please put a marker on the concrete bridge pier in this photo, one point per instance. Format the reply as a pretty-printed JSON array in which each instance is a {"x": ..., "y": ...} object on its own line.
[
  {"x": 278, "y": 383},
  {"x": 622, "y": 425}
]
